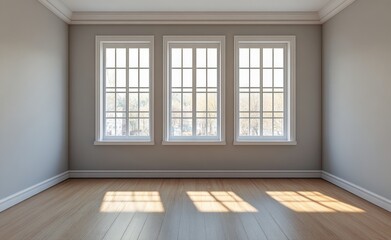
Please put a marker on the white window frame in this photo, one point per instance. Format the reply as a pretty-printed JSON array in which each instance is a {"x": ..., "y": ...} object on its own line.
[
  {"x": 290, "y": 90},
  {"x": 167, "y": 40},
  {"x": 99, "y": 90}
]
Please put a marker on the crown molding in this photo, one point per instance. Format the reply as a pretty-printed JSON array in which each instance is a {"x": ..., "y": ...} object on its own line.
[
  {"x": 332, "y": 9},
  {"x": 59, "y": 9},
  {"x": 195, "y": 18},
  {"x": 327, "y": 12}
]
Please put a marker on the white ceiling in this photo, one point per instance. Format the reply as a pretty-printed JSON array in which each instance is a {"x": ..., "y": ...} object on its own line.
[
  {"x": 196, "y": 5},
  {"x": 196, "y": 11}
]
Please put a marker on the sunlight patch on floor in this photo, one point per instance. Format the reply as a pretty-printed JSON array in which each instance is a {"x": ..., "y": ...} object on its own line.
[
  {"x": 219, "y": 201},
  {"x": 311, "y": 201},
  {"x": 132, "y": 201}
]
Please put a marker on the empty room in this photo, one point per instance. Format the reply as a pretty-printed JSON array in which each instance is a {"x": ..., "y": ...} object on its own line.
[{"x": 193, "y": 120}]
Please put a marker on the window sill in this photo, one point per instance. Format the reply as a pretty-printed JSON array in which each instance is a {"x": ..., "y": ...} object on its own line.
[
  {"x": 282, "y": 143},
  {"x": 113, "y": 142},
  {"x": 194, "y": 143}
]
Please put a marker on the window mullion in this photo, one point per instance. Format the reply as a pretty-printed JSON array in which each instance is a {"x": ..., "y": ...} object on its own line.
[
  {"x": 115, "y": 92},
  {"x": 261, "y": 89},
  {"x": 249, "y": 92},
  {"x": 127, "y": 91},
  {"x": 194, "y": 95},
  {"x": 138, "y": 91},
  {"x": 206, "y": 92},
  {"x": 182, "y": 91},
  {"x": 273, "y": 112}
]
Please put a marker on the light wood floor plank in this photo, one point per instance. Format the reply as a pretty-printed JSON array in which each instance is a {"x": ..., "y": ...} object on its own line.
[{"x": 194, "y": 209}]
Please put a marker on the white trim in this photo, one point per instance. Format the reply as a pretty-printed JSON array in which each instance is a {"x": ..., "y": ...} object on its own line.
[
  {"x": 59, "y": 9},
  {"x": 136, "y": 39},
  {"x": 319, "y": 17},
  {"x": 20, "y": 196},
  {"x": 332, "y": 9},
  {"x": 195, "y": 173},
  {"x": 358, "y": 191},
  {"x": 199, "y": 39},
  {"x": 266, "y": 143},
  {"x": 117, "y": 142},
  {"x": 194, "y": 143}
]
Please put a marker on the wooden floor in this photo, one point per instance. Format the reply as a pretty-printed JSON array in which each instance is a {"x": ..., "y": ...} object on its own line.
[{"x": 195, "y": 209}]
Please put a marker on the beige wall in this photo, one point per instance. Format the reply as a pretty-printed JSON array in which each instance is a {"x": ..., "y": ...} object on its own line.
[
  {"x": 85, "y": 156},
  {"x": 33, "y": 95},
  {"x": 357, "y": 95}
]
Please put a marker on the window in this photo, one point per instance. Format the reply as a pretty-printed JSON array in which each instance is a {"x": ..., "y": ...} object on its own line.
[
  {"x": 265, "y": 90},
  {"x": 194, "y": 88},
  {"x": 124, "y": 109}
]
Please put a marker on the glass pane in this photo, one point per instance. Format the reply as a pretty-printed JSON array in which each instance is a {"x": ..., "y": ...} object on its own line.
[
  {"x": 201, "y": 127},
  {"x": 278, "y": 57},
  {"x": 278, "y": 127},
  {"x": 212, "y": 77},
  {"x": 133, "y": 78},
  {"x": 212, "y": 127},
  {"x": 201, "y": 57},
  {"x": 212, "y": 102},
  {"x": 121, "y": 57},
  {"x": 121, "y": 77},
  {"x": 121, "y": 102},
  {"x": 255, "y": 104},
  {"x": 110, "y": 127},
  {"x": 267, "y": 102},
  {"x": 278, "y": 78},
  {"x": 176, "y": 78},
  {"x": 144, "y": 57},
  {"x": 267, "y": 127},
  {"x": 133, "y": 127},
  {"x": 176, "y": 102},
  {"x": 244, "y": 78},
  {"x": 144, "y": 101},
  {"x": 187, "y": 57},
  {"x": 110, "y": 101},
  {"x": 201, "y": 101},
  {"x": 176, "y": 57},
  {"x": 110, "y": 57},
  {"x": 133, "y": 57},
  {"x": 187, "y": 101},
  {"x": 243, "y": 127},
  {"x": 187, "y": 127},
  {"x": 278, "y": 102},
  {"x": 187, "y": 77},
  {"x": 110, "y": 78},
  {"x": 120, "y": 127},
  {"x": 201, "y": 78},
  {"x": 244, "y": 57},
  {"x": 267, "y": 78},
  {"x": 212, "y": 57},
  {"x": 254, "y": 57},
  {"x": 133, "y": 102},
  {"x": 267, "y": 57},
  {"x": 243, "y": 101},
  {"x": 144, "y": 127},
  {"x": 255, "y": 127},
  {"x": 144, "y": 78},
  {"x": 176, "y": 127},
  {"x": 255, "y": 80}
]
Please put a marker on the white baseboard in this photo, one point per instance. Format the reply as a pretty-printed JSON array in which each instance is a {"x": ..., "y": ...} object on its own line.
[
  {"x": 18, "y": 197},
  {"x": 359, "y": 191},
  {"x": 195, "y": 174}
]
